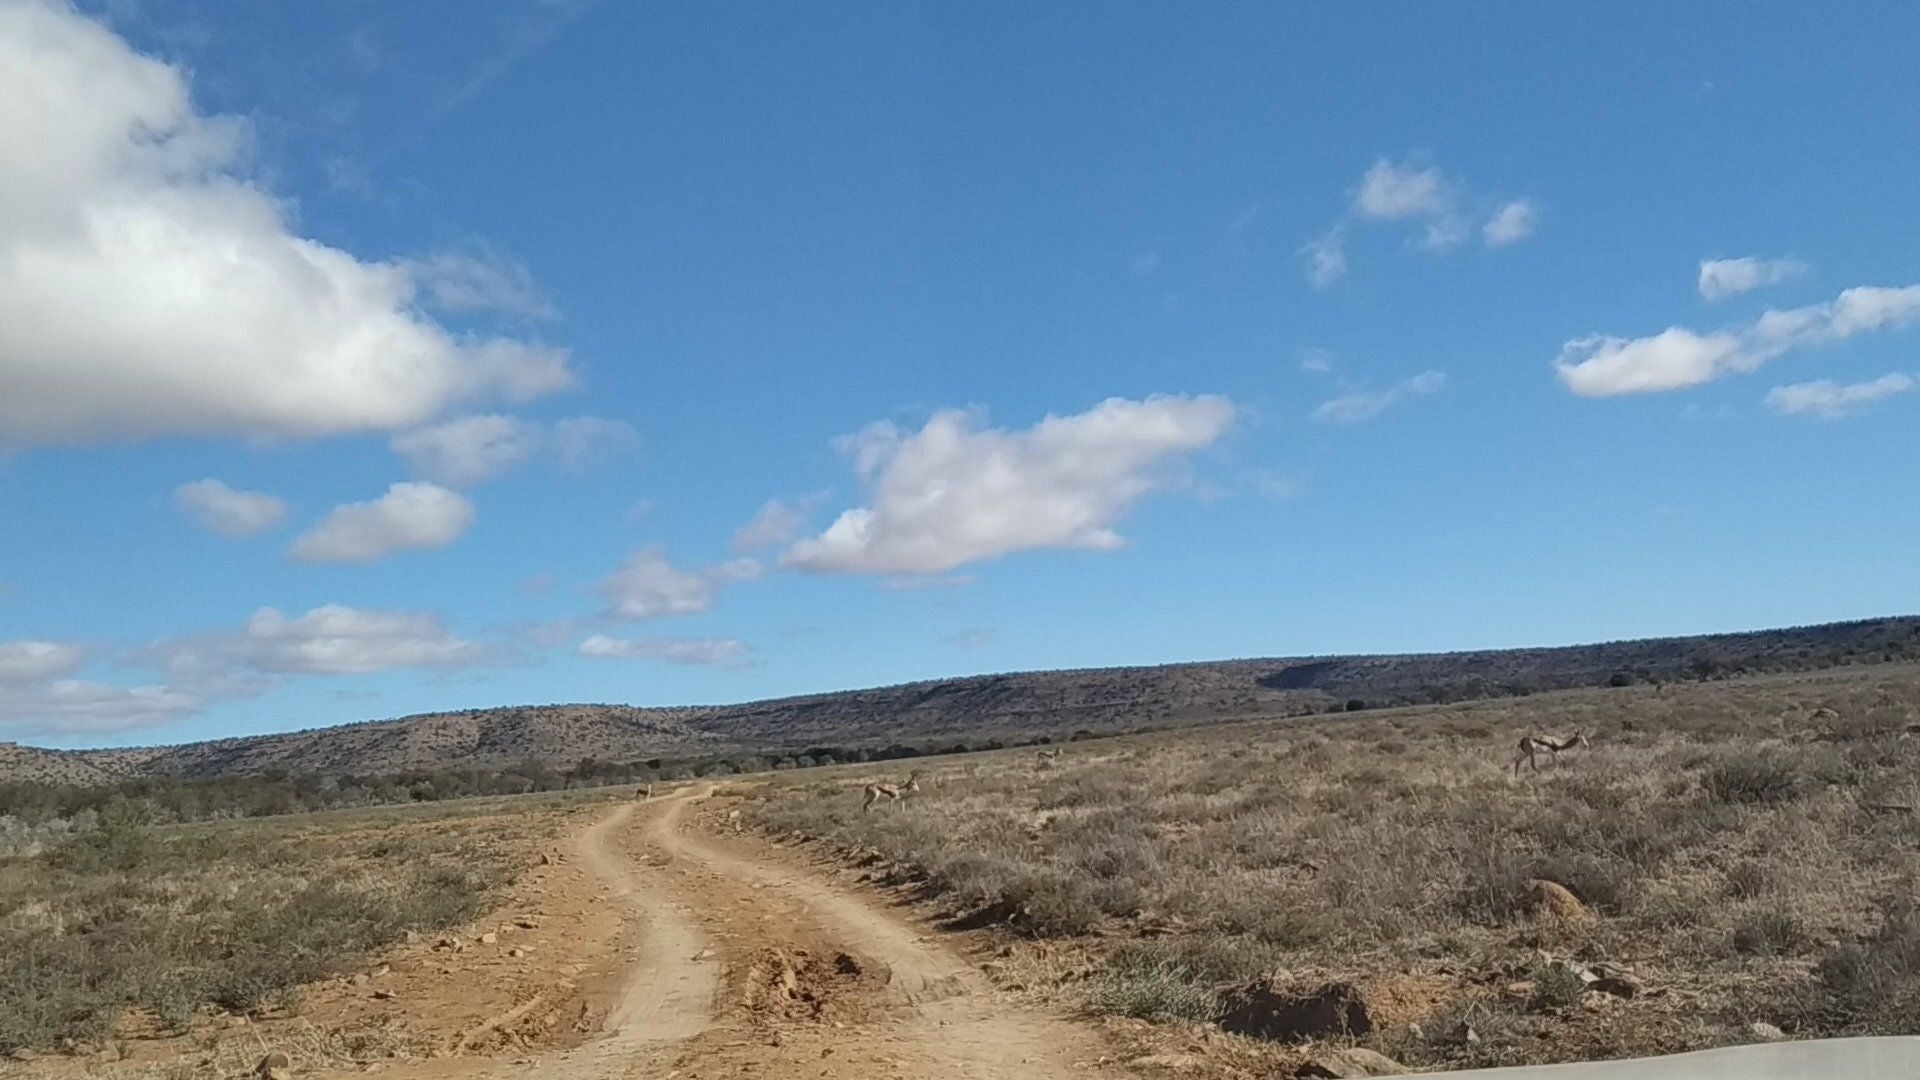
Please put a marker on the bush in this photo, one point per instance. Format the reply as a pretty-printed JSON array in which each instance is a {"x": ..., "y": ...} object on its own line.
[
  {"x": 1754, "y": 777},
  {"x": 1152, "y": 984},
  {"x": 1768, "y": 931},
  {"x": 1874, "y": 985},
  {"x": 1556, "y": 987}
]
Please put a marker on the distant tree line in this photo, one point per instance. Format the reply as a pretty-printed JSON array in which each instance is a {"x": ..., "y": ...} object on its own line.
[{"x": 275, "y": 791}]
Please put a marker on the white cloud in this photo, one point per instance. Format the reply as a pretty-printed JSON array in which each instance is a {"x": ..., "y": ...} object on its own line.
[
  {"x": 949, "y": 494},
  {"x": 1445, "y": 212},
  {"x": 221, "y": 509},
  {"x": 1316, "y": 362},
  {"x": 1326, "y": 258},
  {"x": 647, "y": 586},
  {"x": 583, "y": 440},
  {"x": 484, "y": 282},
  {"x": 340, "y": 640},
  {"x": 37, "y": 697},
  {"x": 78, "y": 706},
  {"x": 330, "y": 640},
  {"x": 1445, "y": 234},
  {"x": 1722, "y": 278},
  {"x": 148, "y": 287},
  {"x": 1353, "y": 408},
  {"x": 776, "y": 525},
  {"x": 717, "y": 652},
  {"x": 469, "y": 450},
  {"x": 1677, "y": 358},
  {"x": 1831, "y": 400},
  {"x": 409, "y": 517},
  {"x": 1511, "y": 223},
  {"x": 1390, "y": 192},
  {"x": 36, "y": 661}
]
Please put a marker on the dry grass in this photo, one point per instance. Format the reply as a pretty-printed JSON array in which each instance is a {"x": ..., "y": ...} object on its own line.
[
  {"x": 1744, "y": 857},
  {"x": 126, "y": 925}
]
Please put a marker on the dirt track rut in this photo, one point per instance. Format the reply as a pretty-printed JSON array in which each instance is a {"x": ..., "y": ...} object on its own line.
[{"x": 705, "y": 905}]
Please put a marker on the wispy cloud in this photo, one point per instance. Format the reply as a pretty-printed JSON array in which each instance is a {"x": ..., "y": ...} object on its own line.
[
  {"x": 1354, "y": 408},
  {"x": 1830, "y": 400},
  {"x": 1445, "y": 213}
]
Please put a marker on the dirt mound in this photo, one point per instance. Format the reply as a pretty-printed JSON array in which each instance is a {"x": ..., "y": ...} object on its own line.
[
  {"x": 797, "y": 986},
  {"x": 1551, "y": 901},
  {"x": 1267, "y": 1010}
]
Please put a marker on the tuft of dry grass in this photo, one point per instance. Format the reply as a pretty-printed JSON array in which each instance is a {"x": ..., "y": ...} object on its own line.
[{"x": 1731, "y": 845}]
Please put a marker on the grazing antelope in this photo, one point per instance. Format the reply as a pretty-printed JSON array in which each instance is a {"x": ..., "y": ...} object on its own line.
[
  {"x": 1047, "y": 757},
  {"x": 1532, "y": 746},
  {"x": 891, "y": 792}
]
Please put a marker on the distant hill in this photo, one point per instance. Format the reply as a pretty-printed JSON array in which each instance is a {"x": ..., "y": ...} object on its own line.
[{"x": 1054, "y": 704}]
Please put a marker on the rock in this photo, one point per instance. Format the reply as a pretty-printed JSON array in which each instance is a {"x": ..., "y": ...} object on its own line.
[
  {"x": 276, "y": 1062},
  {"x": 527, "y": 922},
  {"x": 448, "y": 943},
  {"x": 1553, "y": 901},
  {"x": 410, "y": 937},
  {"x": 1351, "y": 1062},
  {"x": 1518, "y": 991},
  {"x": 1612, "y": 980},
  {"x": 516, "y": 953},
  {"x": 383, "y": 995},
  {"x": 489, "y": 938},
  {"x": 703, "y": 954},
  {"x": 1265, "y": 1011},
  {"x": 546, "y": 859},
  {"x": 1765, "y": 1032},
  {"x": 21, "y": 1053}
]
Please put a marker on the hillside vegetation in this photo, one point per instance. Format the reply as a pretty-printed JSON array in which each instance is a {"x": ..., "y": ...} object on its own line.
[{"x": 972, "y": 711}]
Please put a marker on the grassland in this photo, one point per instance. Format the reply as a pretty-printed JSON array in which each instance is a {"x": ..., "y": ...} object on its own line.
[
  {"x": 115, "y": 925},
  {"x": 1743, "y": 855}
]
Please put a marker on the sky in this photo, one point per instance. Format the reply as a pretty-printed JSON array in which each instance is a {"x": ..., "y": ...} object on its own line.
[{"x": 360, "y": 359}]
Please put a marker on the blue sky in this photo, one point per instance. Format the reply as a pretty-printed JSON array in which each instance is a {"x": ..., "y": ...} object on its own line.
[{"x": 360, "y": 359}]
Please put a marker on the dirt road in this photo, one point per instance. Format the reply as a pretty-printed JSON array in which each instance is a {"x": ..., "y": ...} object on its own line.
[{"x": 750, "y": 964}]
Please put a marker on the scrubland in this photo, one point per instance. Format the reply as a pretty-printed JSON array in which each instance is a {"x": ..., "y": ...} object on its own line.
[
  {"x": 1745, "y": 851},
  {"x": 114, "y": 925}
]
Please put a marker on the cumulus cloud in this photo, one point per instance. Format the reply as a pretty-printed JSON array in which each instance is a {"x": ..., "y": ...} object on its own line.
[
  {"x": 1721, "y": 278},
  {"x": 149, "y": 287},
  {"x": 80, "y": 706},
  {"x": 484, "y": 282},
  {"x": 34, "y": 661},
  {"x": 1831, "y": 400},
  {"x": 953, "y": 493},
  {"x": 648, "y": 586},
  {"x": 38, "y": 696},
  {"x": 221, "y": 509},
  {"x": 330, "y": 640},
  {"x": 714, "y": 652},
  {"x": 1390, "y": 192},
  {"x": 409, "y": 517},
  {"x": 1511, "y": 223},
  {"x": 469, "y": 450},
  {"x": 1353, "y": 408},
  {"x": 1403, "y": 193},
  {"x": 1677, "y": 358}
]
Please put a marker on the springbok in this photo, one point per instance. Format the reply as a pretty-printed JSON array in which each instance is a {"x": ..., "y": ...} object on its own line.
[
  {"x": 1532, "y": 746},
  {"x": 891, "y": 792}
]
